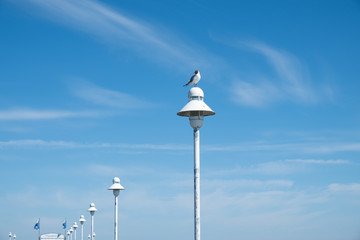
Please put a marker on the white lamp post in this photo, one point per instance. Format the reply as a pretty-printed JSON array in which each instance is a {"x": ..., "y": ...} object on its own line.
[
  {"x": 68, "y": 234},
  {"x": 89, "y": 237},
  {"x": 75, "y": 227},
  {"x": 92, "y": 211},
  {"x": 116, "y": 187},
  {"x": 14, "y": 236},
  {"x": 196, "y": 109},
  {"x": 71, "y": 231},
  {"x": 10, "y": 235},
  {"x": 82, "y": 220}
]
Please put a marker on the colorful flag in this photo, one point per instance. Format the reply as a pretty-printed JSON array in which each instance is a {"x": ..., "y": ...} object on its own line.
[
  {"x": 64, "y": 224},
  {"x": 37, "y": 225}
]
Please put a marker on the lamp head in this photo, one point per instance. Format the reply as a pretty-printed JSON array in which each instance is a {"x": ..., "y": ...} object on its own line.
[
  {"x": 82, "y": 219},
  {"x": 196, "y": 109},
  {"x": 116, "y": 187},
  {"x": 92, "y": 209}
]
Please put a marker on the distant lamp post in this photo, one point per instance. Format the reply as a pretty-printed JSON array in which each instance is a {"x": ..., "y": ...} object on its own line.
[
  {"x": 196, "y": 109},
  {"x": 82, "y": 220},
  {"x": 75, "y": 227},
  {"x": 68, "y": 234},
  {"x": 94, "y": 235},
  {"x": 116, "y": 187},
  {"x": 89, "y": 237},
  {"x": 14, "y": 236},
  {"x": 10, "y": 235},
  {"x": 92, "y": 211},
  {"x": 71, "y": 231}
]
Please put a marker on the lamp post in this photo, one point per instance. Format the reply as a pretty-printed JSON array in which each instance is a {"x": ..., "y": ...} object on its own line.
[
  {"x": 71, "y": 231},
  {"x": 14, "y": 236},
  {"x": 92, "y": 211},
  {"x": 68, "y": 233},
  {"x": 116, "y": 187},
  {"x": 82, "y": 220},
  {"x": 75, "y": 227},
  {"x": 89, "y": 237},
  {"x": 196, "y": 109},
  {"x": 10, "y": 235}
]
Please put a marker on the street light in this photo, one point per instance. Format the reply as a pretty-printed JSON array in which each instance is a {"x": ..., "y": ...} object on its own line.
[
  {"x": 75, "y": 227},
  {"x": 68, "y": 233},
  {"x": 10, "y": 235},
  {"x": 89, "y": 237},
  {"x": 92, "y": 211},
  {"x": 14, "y": 236},
  {"x": 82, "y": 220},
  {"x": 116, "y": 187},
  {"x": 71, "y": 230},
  {"x": 196, "y": 109}
]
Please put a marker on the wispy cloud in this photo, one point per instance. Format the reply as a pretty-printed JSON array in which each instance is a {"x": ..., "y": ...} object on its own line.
[
  {"x": 339, "y": 187},
  {"x": 97, "y": 19},
  {"x": 66, "y": 144},
  {"x": 106, "y": 97},
  {"x": 34, "y": 114},
  {"x": 313, "y": 148},
  {"x": 290, "y": 82},
  {"x": 315, "y": 161},
  {"x": 318, "y": 147}
]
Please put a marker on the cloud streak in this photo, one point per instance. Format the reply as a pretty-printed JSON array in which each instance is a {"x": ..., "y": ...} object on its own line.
[
  {"x": 66, "y": 144},
  {"x": 313, "y": 148},
  {"x": 106, "y": 97},
  {"x": 34, "y": 114},
  {"x": 112, "y": 26},
  {"x": 290, "y": 82}
]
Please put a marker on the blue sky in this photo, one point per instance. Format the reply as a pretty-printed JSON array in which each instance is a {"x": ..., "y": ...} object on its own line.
[{"x": 89, "y": 90}]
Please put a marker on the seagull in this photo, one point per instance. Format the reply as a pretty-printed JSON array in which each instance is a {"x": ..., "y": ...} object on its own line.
[{"x": 194, "y": 79}]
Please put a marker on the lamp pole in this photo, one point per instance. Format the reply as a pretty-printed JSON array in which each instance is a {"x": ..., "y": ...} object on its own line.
[
  {"x": 196, "y": 109},
  {"x": 10, "y": 235},
  {"x": 68, "y": 234},
  {"x": 14, "y": 236},
  {"x": 116, "y": 187},
  {"x": 92, "y": 211},
  {"x": 71, "y": 235},
  {"x": 75, "y": 227},
  {"x": 82, "y": 220}
]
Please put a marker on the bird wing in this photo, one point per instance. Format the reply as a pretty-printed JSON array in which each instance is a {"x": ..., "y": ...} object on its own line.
[{"x": 190, "y": 81}]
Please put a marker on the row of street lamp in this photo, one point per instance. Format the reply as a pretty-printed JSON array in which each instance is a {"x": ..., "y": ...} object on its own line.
[
  {"x": 12, "y": 235},
  {"x": 196, "y": 109},
  {"x": 115, "y": 187}
]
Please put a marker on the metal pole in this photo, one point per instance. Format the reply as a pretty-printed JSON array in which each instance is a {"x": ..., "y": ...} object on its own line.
[
  {"x": 116, "y": 218},
  {"x": 82, "y": 231},
  {"x": 92, "y": 226},
  {"x": 197, "y": 182},
  {"x": 75, "y": 234}
]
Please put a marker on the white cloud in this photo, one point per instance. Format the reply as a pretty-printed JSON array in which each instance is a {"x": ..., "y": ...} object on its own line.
[
  {"x": 290, "y": 70},
  {"x": 102, "y": 96},
  {"x": 254, "y": 95},
  {"x": 34, "y": 114},
  {"x": 69, "y": 144},
  {"x": 290, "y": 82},
  {"x": 315, "y": 161},
  {"x": 338, "y": 187},
  {"x": 114, "y": 27}
]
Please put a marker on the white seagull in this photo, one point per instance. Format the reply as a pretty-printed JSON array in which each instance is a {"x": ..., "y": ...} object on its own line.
[{"x": 194, "y": 79}]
